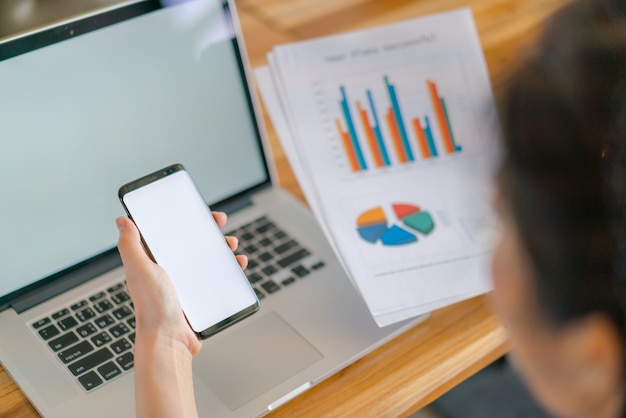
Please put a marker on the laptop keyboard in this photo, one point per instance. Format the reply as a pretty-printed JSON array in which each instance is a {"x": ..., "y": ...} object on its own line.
[
  {"x": 275, "y": 260},
  {"x": 94, "y": 337}
]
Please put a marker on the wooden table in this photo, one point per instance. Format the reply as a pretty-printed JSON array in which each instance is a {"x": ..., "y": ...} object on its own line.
[{"x": 455, "y": 342}]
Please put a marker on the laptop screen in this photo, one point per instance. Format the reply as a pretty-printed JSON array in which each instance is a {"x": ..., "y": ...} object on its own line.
[{"x": 81, "y": 117}]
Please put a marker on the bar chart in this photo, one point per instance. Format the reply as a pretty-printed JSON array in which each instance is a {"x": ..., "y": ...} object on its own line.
[{"x": 398, "y": 137}]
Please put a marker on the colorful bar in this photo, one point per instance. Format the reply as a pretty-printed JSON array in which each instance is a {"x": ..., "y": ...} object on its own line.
[
  {"x": 429, "y": 137},
  {"x": 379, "y": 136},
  {"x": 441, "y": 117},
  {"x": 445, "y": 111},
  {"x": 347, "y": 145},
  {"x": 421, "y": 139},
  {"x": 393, "y": 128},
  {"x": 351, "y": 130},
  {"x": 369, "y": 133},
  {"x": 398, "y": 117}
]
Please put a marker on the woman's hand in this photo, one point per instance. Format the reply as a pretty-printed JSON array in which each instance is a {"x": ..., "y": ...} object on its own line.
[{"x": 164, "y": 342}]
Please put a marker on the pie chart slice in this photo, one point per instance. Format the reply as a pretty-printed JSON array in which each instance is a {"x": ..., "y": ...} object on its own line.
[
  {"x": 372, "y": 233},
  {"x": 403, "y": 210},
  {"x": 372, "y": 217},
  {"x": 397, "y": 236},
  {"x": 421, "y": 222}
]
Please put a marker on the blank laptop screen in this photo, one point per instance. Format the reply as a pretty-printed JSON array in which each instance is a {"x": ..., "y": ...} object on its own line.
[{"x": 81, "y": 117}]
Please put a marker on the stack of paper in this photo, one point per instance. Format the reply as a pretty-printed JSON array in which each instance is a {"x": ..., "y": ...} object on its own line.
[{"x": 390, "y": 132}]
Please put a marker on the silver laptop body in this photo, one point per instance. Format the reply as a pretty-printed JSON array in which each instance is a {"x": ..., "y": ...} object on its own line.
[{"x": 92, "y": 103}]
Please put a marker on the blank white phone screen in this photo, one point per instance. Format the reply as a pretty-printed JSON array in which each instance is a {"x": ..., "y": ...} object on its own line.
[{"x": 184, "y": 239}]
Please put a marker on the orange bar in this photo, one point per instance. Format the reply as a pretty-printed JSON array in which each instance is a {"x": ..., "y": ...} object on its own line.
[
  {"x": 421, "y": 139},
  {"x": 441, "y": 117},
  {"x": 369, "y": 132},
  {"x": 347, "y": 145},
  {"x": 397, "y": 144}
]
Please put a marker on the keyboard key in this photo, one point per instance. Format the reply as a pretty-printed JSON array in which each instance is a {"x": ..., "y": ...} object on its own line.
[
  {"x": 90, "y": 380},
  {"x": 318, "y": 265},
  {"x": 280, "y": 235},
  {"x": 126, "y": 361},
  {"x": 300, "y": 271},
  {"x": 120, "y": 346},
  {"x": 102, "y": 306},
  {"x": 122, "y": 312},
  {"x": 283, "y": 248},
  {"x": 63, "y": 341},
  {"x": 90, "y": 361},
  {"x": 115, "y": 288},
  {"x": 288, "y": 281},
  {"x": 252, "y": 263},
  {"x": 41, "y": 323},
  {"x": 61, "y": 313},
  {"x": 49, "y": 332},
  {"x": 132, "y": 322},
  {"x": 247, "y": 236},
  {"x": 270, "y": 286},
  {"x": 109, "y": 370},
  {"x": 259, "y": 294},
  {"x": 132, "y": 337},
  {"x": 118, "y": 330},
  {"x": 78, "y": 305},
  {"x": 266, "y": 227},
  {"x": 269, "y": 270},
  {"x": 254, "y": 278},
  {"x": 265, "y": 242},
  {"x": 75, "y": 352},
  {"x": 290, "y": 259},
  {"x": 104, "y": 321},
  {"x": 101, "y": 339},
  {"x": 250, "y": 249},
  {"x": 67, "y": 323},
  {"x": 265, "y": 256},
  {"x": 85, "y": 314},
  {"x": 86, "y": 330},
  {"x": 97, "y": 296},
  {"x": 120, "y": 297}
]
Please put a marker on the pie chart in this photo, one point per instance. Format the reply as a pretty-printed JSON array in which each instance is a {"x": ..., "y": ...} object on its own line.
[{"x": 411, "y": 221}]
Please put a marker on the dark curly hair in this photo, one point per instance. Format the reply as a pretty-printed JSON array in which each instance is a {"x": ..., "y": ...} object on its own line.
[{"x": 563, "y": 173}]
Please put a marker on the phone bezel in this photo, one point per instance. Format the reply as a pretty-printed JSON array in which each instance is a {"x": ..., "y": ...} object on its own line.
[{"x": 150, "y": 178}]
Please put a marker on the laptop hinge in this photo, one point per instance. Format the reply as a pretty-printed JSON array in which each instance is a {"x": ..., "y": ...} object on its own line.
[
  {"x": 234, "y": 205},
  {"x": 70, "y": 280}
]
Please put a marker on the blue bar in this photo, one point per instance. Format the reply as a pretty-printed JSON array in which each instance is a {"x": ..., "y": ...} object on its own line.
[
  {"x": 429, "y": 137},
  {"x": 379, "y": 136},
  {"x": 398, "y": 114},
  {"x": 350, "y": 125}
]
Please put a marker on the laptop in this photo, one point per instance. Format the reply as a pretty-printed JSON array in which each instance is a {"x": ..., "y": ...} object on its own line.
[{"x": 92, "y": 103}]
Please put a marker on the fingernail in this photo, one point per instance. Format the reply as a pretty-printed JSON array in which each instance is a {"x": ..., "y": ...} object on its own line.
[{"x": 120, "y": 224}]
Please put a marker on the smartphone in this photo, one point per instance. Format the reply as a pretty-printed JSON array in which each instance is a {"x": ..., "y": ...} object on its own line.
[{"x": 179, "y": 233}]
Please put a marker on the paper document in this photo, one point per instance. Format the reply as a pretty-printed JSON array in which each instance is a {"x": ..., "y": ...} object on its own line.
[{"x": 390, "y": 132}]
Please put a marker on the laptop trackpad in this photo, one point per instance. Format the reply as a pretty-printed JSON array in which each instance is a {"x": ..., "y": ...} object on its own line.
[{"x": 254, "y": 359}]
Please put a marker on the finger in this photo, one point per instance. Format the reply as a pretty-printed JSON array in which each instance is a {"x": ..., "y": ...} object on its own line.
[
  {"x": 220, "y": 218},
  {"x": 242, "y": 260},
  {"x": 233, "y": 242},
  {"x": 129, "y": 245}
]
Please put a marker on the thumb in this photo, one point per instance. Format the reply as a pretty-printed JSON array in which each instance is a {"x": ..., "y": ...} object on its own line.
[{"x": 129, "y": 245}]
